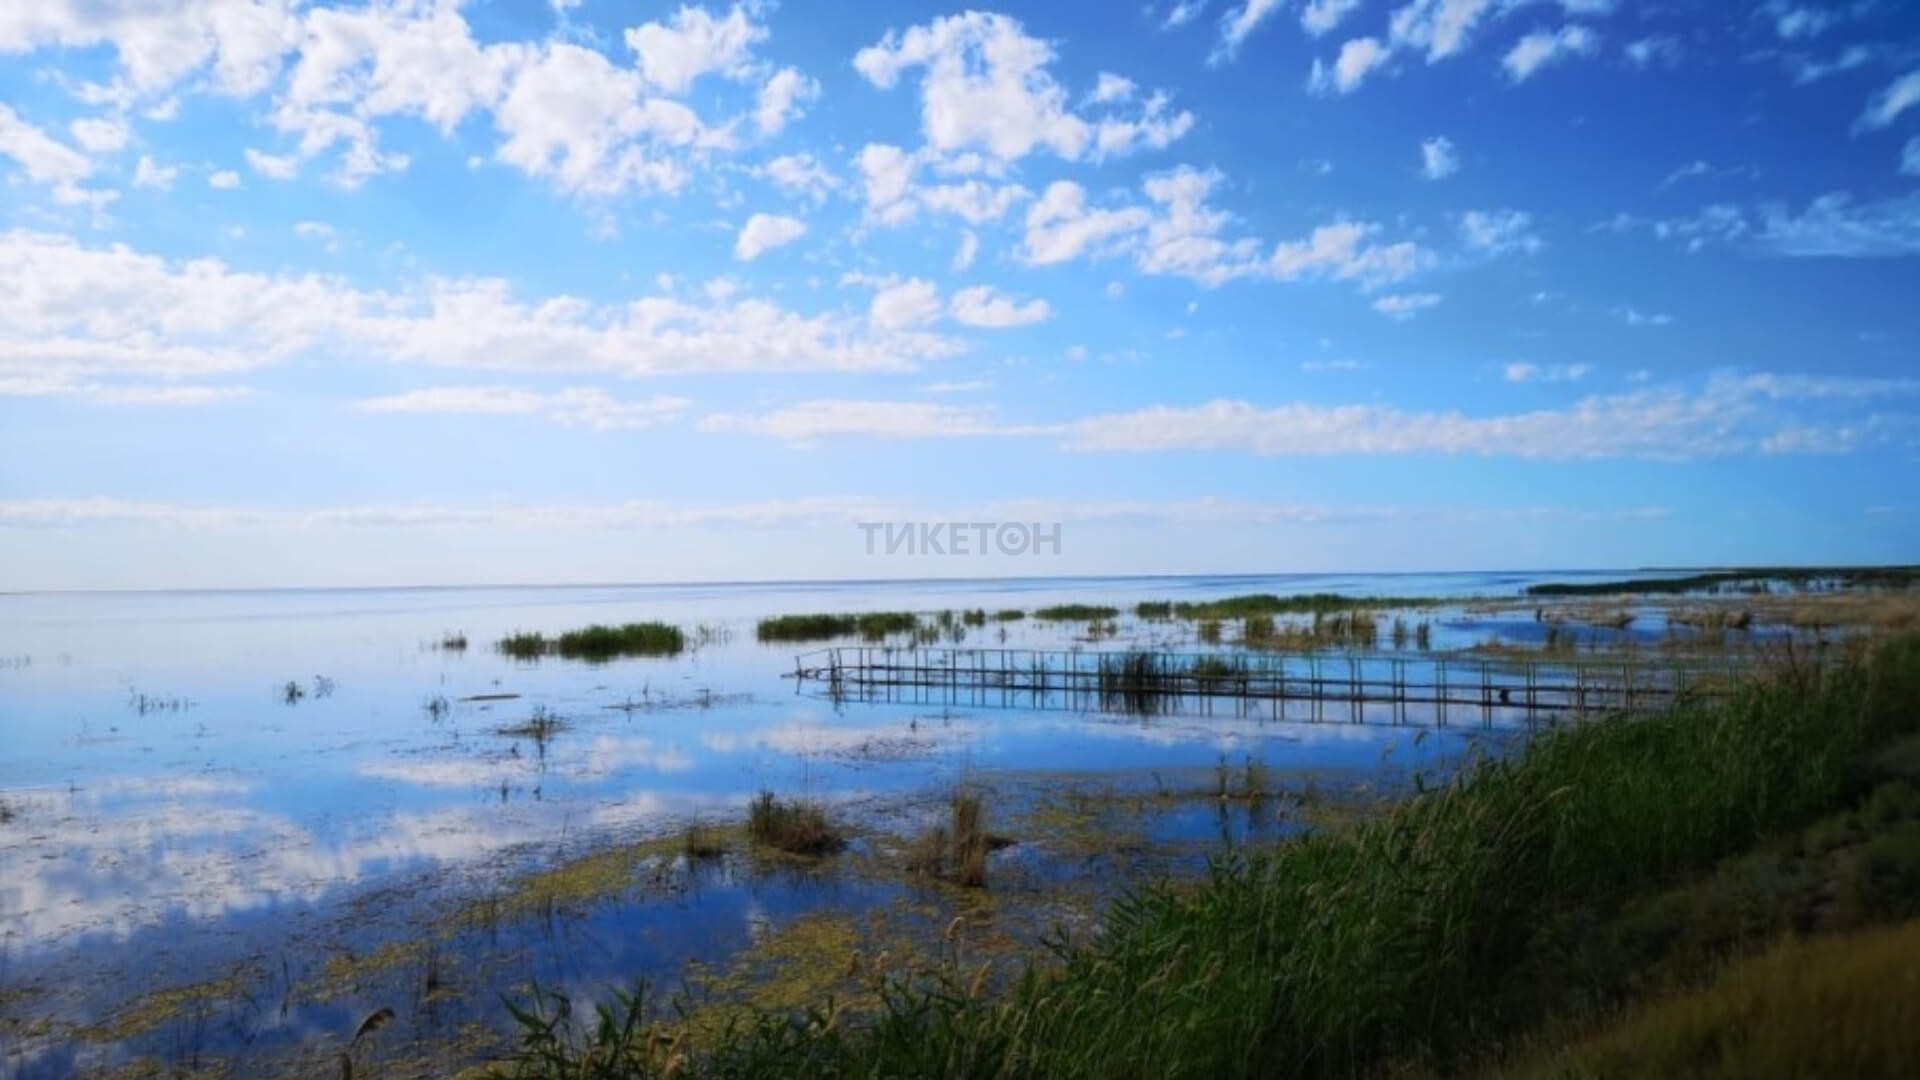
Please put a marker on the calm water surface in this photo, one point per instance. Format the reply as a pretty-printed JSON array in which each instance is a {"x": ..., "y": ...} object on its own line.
[{"x": 175, "y": 821}]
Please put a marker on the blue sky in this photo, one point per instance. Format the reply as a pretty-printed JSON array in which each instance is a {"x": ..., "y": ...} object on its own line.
[{"x": 518, "y": 291}]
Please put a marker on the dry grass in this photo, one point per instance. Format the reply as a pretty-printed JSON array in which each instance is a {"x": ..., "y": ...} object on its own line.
[{"x": 1847, "y": 1005}]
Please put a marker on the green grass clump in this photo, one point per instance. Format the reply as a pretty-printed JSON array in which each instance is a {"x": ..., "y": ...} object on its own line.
[
  {"x": 795, "y": 826},
  {"x": 522, "y": 646},
  {"x": 1075, "y": 613},
  {"x": 1153, "y": 609},
  {"x": 1009, "y": 615},
  {"x": 873, "y": 625},
  {"x": 632, "y": 639},
  {"x": 1400, "y": 938}
]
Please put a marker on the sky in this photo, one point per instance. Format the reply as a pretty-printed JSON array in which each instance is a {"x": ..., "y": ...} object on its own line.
[{"x": 309, "y": 293}]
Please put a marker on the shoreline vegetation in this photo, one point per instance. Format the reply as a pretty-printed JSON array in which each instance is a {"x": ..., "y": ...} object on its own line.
[
  {"x": 1618, "y": 897},
  {"x": 1748, "y": 580}
]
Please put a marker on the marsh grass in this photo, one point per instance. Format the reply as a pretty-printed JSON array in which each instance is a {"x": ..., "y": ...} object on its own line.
[
  {"x": 602, "y": 643},
  {"x": 873, "y": 625},
  {"x": 1399, "y": 938},
  {"x": 1075, "y": 613},
  {"x": 703, "y": 842},
  {"x": 1239, "y": 607},
  {"x": 1009, "y": 615},
  {"x": 797, "y": 826},
  {"x": 1153, "y": 609},
  {"x": 957, "y": 852}
]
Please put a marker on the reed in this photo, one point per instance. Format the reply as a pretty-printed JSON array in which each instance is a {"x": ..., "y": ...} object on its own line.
[
  {"x": 795, "y": 826},
  {"x": 1009, "y": 615},
  {"x": 602, "y": 643},
  {"x": 875, "y": 625},
  {"x": 1152, "y": 609}
]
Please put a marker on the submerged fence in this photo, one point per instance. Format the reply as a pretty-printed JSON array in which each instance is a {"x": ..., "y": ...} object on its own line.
[{"x": 1388, "y": 688}]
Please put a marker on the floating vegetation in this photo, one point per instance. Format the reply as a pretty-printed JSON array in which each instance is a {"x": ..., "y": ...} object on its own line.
[
  {"x": 598, "y": 644},
  {"x": 796, "y": 826},
  {"x": 874, "y": 625},
  {"x": 1075, "y": 613}
]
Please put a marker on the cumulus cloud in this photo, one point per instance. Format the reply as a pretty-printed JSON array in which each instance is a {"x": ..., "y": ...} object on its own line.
[
  {"x": 905, "y": 305},
  {"x": 93, "y": 313},
  {"x": 764, "y": 232},
  {"x": 693, "y": 43},
  {"x": 985, "y": 86},
  {"x": 1438, "y": 158},
  {"x": 1357, "y": 59},
  {"x": 801, "y": 174},
  {"x": 783, "y": 98}
]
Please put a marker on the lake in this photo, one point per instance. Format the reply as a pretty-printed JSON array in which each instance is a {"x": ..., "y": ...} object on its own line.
[{"x": 202, "y": 868}]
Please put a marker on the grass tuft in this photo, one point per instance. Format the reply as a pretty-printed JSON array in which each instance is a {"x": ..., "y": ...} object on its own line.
[{"x": 796, "y": 827}]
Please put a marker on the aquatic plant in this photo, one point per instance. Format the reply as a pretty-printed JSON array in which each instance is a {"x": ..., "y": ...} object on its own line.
[
  {"x": 874, "y": 625},
  {"x": 1239, "y": 607},
  {"x": 292, "y": 693},
  {"x": 1009, "y": 615},
  {"x": 437, "y": 707},
  {"x": 1752, "y": 580},
  {"x": 796, "y": 826},
  {"x": 1153, "y": 609},
  {"x": 975, "y": 617},
  {"x": 1209, "y": 631},
  {"x": 522, "y": 646},
  {"x": 1075, "y": 613},
  {"x": 703, "y": 842},
  {"x": 601, "y": 643},
  {"x": 454, "y": 641},
  {"x": 957, "y": 852}
]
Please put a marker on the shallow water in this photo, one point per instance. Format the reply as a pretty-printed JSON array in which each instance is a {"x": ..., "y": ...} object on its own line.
[{"x": 176, "y": 821}]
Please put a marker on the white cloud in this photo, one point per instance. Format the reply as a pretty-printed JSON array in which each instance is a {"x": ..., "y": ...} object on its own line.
[
  {"x": 46, "y": 160},
  {"x": 782, "y": 99},
  {"x": 764, "y": 232},
  {"x": 1110, "y": 88},
  {"x": 1441, "y": 27},
  {"x": 1061, "y": 227},
  {"x": 1633, "y": 316},
  {"x": 974, "y": 201},
  {"x": 801, "y": 174},
  {"x": 1645, "y": 52},
  {"x": 694, "y": 43},
  {"x": 1322, "y": 16},
  {"x": 1499, "y": 232},
  {"x": 1910, "y": 157},
  {"x": 1357, "y": 58},
  {"x": 1182, "y": 13},
  {"x": 224, "y": 179},
  {"x": 1524, "y": 372},
  {"x": 1899, "y": 96},
  {"x": 149, "y": 174},
  {"x": 986, "y": 88},
  {"x": 888, "y": 173},
  {"x": 1837, "y": 226},
  {"x": 100, "y": 135},
  {"x": 90, "y": 313},
  {"x": 575, "y": 406},
  {"x": 1438, "y": 158},
  {"x": 1541, "y": 48},
  {"x": 905, "y": 305},
  {"x": 1341, "y": 252},
  {"x": 1237, "y": 24},
  {"x": 969, "y": 250},
  {"x": 811, "y": 420},
  {"x": 985, "y": 306},
  {"x": 968, "y": 386},
  {"x": 1731, "y": 415},
  {"x": 271, "y": 166},
  {"x": 1405, "y": 305}
]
